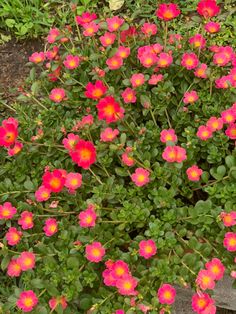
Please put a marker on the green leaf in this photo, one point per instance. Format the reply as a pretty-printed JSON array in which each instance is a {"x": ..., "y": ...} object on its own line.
[
  {"x": 37, "y": 283},
  {"x": 5, "y": 262},
  {"x": 10, "y": 22}
]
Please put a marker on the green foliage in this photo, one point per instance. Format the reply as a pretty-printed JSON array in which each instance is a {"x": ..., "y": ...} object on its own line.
[{"x": 181, "y": 216}]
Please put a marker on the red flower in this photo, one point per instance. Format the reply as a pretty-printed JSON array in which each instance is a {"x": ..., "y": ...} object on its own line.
[
  {"x": 8, "y": 132},
  {"x": 109, "y": 110},
  {"x": 167, "y": 11},
  {"x": 54, "y": 181},
  {"x": 95, "y": 91},
  {"x": 208, "y": 8},
  {"x": 84, "y": 154}
]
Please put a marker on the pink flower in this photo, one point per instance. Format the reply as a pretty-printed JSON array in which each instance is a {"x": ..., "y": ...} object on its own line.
[
  {"x": 127, "y": 160},
  {"x": 26, "y": 260},
  {"x": 85, "y": 18},
  {"x": 107, "y": 39},
  {"x": 73, "y": 180},
  {"x": 205, "y": 280},
  {"x": 228, "y": 116},
  {"x": 123, "y": 52},
  {"x": 57, "y": 94},
  {"x": 189, "y": 60},
  {"x": 230, "y": 241},
  {"x": 70, "y": 142},
  {"x": 90, "y": 29},
  {"x": 166, "y": 294},
  {"x": 137, "y": 79},
  {"x": 15, "y": 149},
  {"x": 200, "y": 302},
  {"x": 148, "y": 59},
  {"x": 201, "y": 71},
  {"x": 71, "y": 62},
  {"x": 129, "y": 95},
  {"x": 147, "y": 248},
  {"x": 53, "y": 34},
  {"x": 154, "y": 79},
  {"x": 216, "y": 268},
  {"x": 168, "y": 136},
  {"x": 190, "y": 97},
  {"x": 54, "y": 181},
  {"x": 204, "y": 132},
  {"x": 13, "y": 236},
  {"x": 108, "y": 278},
  {"x": 212, "y": 27},
  {"x": 13, "y": 268},
  {"x": 114, "y": 23},
  {"x": 231, "y": 131},
  {"x": 229, "y": 219},
  {"x": 167, "y": 11},
  {"x": 221, "y": 59},
  {"x": 27, "y": 301},
  {"x": 95, "y": 91},
  {"x": 119, "y": 312},
  {"x": 114, "y": 62},
  {"x": 126, "y": 285},
  {"x": 215, "y": 124},
  {"x": 119, "y": 269},
  {"x": 87, "y": 218},
  {"x": 51, "y": 54},
  {"x": 94, "y": 252},
  {"x": 50, "y": 227},
  {"x": 198, "y": 41},
  {"x": 42, "y": 194},
  {"x": 208, "y": 8},
  {"x": 7, "y": 211},
  {"x": 108, "y": 135},
  {"x": 174, "y": 154},
  {"x": 140, "y": 177},
  {"x": 149, "y": 29},
  {"x": 194, "y": 173},
  {"x": 37, "y": 57},
  {"x": 164, "y": 60},
  {"x": 54, "y": 302},
  {"x": 224, "y": 82}
]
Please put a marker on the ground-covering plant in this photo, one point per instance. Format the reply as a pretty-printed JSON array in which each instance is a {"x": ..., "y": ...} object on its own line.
[{"x": 119, "y": 167}]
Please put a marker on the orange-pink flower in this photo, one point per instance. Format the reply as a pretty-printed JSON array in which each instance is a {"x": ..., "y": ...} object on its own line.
[
  {"x": 230, "y": 241},
  {"x": 231, "y": 131},
  {"x": 53, "y": 34},
  {"x": 26, "y": 260},
  {"x": 129, "y": 95},
  {"x": 85, "y": 18},
  {"x": 119, "y": 269},
  {"x": 166, "y": 294},
  {"x": 50, "y": 227},
  {"x": 73, "y": 180},
  {"x": 205, "y": 280},
  {"x": 57, "y": 94},
  {"x": 90, "y": 29},
  {"x": 208, "y": 8},
  {"x": 96, "y": 90},
  {"x": 15, "y": 149},
  {"x": 216, "y": 268},
  {"x": 71, "y": 62},
  {"x": 27, "y": 301},
  {"x": 147, "y": 248},
  {"x": 168, "y": 136},
  {"x": 13, "y": 268},
  {"x": 155, "y": 78},
  {"x": 167, "y": 11},
  {"x": 54, "y": 181},
  {"x": 126, "y": 285},
  {"x": 37, "y": 57},
  {"x": 123, "y": 52},
  {"x": 137, "y": 79},
  {"x": 94, "y": 252},
  {"x": 215, "y": 124},
  {"x": 149, "y": 29},
  {"x": 87, "y": 218},
  {"x": 114, "y": 62},
  {"x": 174, "y": 154},
  {"x": 70, "y": 142},
  {"x": 55, "y": 301},
  {"x": 194, "y": 173},
  {"x": 13, "y": 236},
  {"x": 190, "y": 97},
  {"x": 26, "y": 220},
  {"x": 140, "y": 177},
  {"x": 148, "y": 59},
  {"x": 229, "y": 219},
  {"x": 228, "y": 116},
  {"x": 204, "y": 132},
  {"x": 127, "y": 159},
  {"x": 201, "y": 71},
  {"x": 7, "y": 211},
  {"x": 201, "y": 303},
  {"x": 164, "y": 60},
  {"x": 109, "y": 110},
  {"x": 8, "y": 132},
  {"x": 108, "y": 135},
  {"x": 114, "y": 23},
  {"x": 212, "y": 27},
  {"x": 84, "y": 154},
  {"x": 189, "y": 60},
  {"x": 107, "y": 39},
  {"x": 42, "y": 194}
]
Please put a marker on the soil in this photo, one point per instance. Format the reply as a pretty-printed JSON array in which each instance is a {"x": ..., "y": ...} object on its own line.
[{"x": 13, "y": 57}]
